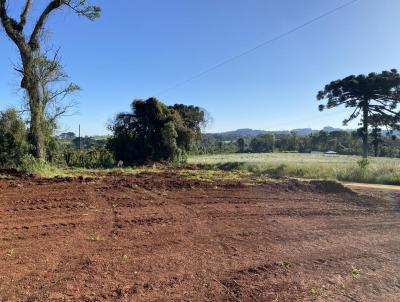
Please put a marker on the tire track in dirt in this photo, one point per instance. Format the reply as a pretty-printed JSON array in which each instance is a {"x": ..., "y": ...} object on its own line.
[
  {"x": 63, "y": 226},
  {"x": 162, "y": 237}
]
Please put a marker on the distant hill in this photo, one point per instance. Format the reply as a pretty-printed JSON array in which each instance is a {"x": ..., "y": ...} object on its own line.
[
  {"x": 331, "y": 129},
  {"x": 303, "y": 131},
  {"x": 247, "y": 132},
  {"x": 231, "y": 135},
  {"x": 308, "y": 131}
]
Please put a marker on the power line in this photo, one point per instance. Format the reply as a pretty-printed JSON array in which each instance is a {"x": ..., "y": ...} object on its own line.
[{"x": 246, "y": 52}]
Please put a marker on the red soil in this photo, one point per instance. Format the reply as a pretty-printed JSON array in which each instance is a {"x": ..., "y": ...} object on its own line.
[{"x": 161, "y": 237}]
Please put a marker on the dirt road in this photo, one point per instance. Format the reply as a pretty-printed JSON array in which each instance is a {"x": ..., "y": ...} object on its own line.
[
  {"x": 356, "y": 185},
  {"x": 160, "y": 237}
]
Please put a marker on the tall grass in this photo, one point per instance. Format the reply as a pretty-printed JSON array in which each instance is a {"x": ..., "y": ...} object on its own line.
[
  {"x": 31, "y": 166},
  {"x": 334, "y": 167}
]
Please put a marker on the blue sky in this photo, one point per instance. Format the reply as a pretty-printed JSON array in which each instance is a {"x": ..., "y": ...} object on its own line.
[{"x": 139, "y": 48}]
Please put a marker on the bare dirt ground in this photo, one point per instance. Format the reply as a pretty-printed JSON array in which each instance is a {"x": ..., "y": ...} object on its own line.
[{"x": 161, "y": 237}]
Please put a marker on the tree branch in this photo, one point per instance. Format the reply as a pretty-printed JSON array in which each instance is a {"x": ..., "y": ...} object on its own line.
[
  {"x": 89, "y": 11},
  {"x": 53, "y": 5},
  {"x": 79, "y": 7},
  {"x": 63, "y": 93},
  {"x": 12, "y": 29},
  {"x": 59, "y": 111},
  {"x": 24, "y": 14},
  {"x": 379, "y": 108}
]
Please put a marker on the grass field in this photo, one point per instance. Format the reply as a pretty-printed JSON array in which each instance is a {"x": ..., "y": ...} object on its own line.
[{"x": 336, "y": 167}]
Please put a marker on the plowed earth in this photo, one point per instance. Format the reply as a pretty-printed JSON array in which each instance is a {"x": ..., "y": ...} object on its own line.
[{"x": 161, "y": 237}]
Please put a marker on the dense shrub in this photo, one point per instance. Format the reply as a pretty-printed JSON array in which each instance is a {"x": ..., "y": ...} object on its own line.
[
  {"x": 93, "y": 158},
  {"x": 13, "y": 139}
]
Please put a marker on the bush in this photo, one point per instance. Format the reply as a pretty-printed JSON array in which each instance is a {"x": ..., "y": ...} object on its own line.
[
  {"x": 32, "y": 166},
  {"x": 278, "y": 171},
  {"x": 13, "y": 139},
  {"x": 29, "y": 165},
  {"x": 363, "y": 163},
  {"x": 93, "y": 158}
]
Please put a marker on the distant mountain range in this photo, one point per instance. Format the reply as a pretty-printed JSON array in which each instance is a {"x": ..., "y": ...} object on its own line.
[
  {"x": 235, "y": 134},
  {"x": 231, "y": 135}
]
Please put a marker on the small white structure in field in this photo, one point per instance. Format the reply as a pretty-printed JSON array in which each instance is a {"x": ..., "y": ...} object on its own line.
[{"x": 331, "y": 153}]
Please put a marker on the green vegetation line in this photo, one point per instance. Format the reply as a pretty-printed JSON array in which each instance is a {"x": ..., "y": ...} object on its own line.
[{"x": 310, "y": 166}]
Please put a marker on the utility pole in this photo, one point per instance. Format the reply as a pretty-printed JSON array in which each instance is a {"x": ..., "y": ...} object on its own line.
[{"x": 79, "y": 137}]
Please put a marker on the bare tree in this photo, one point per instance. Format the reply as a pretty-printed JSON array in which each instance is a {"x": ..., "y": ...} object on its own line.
[
  {"x": 29, "y": 47},
  {"x": 54, "y": 86}
]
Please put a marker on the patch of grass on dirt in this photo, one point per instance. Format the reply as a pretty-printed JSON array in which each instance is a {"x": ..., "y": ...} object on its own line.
[
  {"x": 31, "y": 166},
  {"x": 212, "y": 175},
  {"x": 11, "y": 252},
  {"x": 50, "y": 171},
  {"x": 95, "y": 238},
  {"x": 355, "y": 272},
  {"x": 126, "y": 170},
  {"x": 46, "y": 170},
  {"x": 283, "y": 264},
  {"x": 316, "y": 291}
]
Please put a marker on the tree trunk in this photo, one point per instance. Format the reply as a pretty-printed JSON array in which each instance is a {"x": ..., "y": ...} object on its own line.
[
  {"x": 31, "y": 84},
  {"x": 365, "y": 129},
  {"x": 36, "y": 132},
  {"x": 376, "y": 149}
]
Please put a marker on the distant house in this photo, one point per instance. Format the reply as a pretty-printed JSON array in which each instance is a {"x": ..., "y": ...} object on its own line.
[
  {"x": 67, "y": 136},
  {"x": 331, "y": 153}
]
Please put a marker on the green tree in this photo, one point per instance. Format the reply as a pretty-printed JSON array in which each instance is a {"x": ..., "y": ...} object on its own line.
[
  {"x": 378, "y": 121},
  {"x": 241, "y": 145},
  {"x": 190, "y": 120},
  {"x": 13, "y": 139},
  {"x": 154, "y": 132},
  {"x": 28, "y": 42},
  {"x": 169, "y": 135},
  {"x": 373, "y": 94},
  {"x": 376, "y": 135},
  {"x": 263, "y": 143}
]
